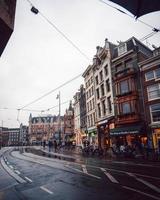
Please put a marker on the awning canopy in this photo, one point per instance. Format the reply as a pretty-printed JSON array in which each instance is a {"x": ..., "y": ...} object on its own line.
[{"x": 126, "y": 130}]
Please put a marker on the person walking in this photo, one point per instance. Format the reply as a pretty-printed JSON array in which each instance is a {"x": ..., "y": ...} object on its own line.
[
  {"x": 55, "y": 146},
  {"x": 50, "y": 145},
  {"x": 44, "y": 144}
]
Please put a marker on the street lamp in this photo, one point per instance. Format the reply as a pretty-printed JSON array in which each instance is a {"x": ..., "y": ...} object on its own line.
[{"x": 59, "y": 118}]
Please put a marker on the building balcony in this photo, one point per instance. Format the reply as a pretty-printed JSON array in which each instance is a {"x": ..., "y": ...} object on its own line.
[
  {"x": 131, "y": 95},
  {"x": 125, "y": 72},
  {"x": 128, "y": 118}
]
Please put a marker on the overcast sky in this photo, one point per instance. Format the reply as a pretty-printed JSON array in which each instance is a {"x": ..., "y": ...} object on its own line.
[{"x": 38, "y": 59}]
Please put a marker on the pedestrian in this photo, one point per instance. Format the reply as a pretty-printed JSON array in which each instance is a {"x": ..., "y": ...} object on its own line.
[
  {"x": 44, "y": 144},
  {"x": 55, "y": 145},
  {"x": 50, "y": 145}
]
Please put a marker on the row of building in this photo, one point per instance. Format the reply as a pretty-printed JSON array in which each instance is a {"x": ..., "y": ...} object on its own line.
[
  {"x": 14, "y": 136},
  {"x": 120, "y": 103}
]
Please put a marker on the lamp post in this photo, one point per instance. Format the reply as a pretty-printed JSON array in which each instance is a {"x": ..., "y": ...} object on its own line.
[{"x": 59, "y": 117}]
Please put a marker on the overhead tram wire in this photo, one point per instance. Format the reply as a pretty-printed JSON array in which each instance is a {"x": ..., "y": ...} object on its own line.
[
  {"x": 36, "y": 11},
  {"x": 55, "y": 106},
  {"x": 48, "y": 93},
  {"x": 153, "y": 28}
]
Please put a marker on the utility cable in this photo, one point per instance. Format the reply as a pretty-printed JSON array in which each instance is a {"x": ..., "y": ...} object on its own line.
[
  {"x": 48, "y": 93},
  {"x": 153, "y": 28},
  {"x": 36, "y": 11},
  {"x": 55, "y": 106}
]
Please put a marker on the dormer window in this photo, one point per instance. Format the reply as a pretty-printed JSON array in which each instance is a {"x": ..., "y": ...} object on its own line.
[{"x": 122, "y": 49}]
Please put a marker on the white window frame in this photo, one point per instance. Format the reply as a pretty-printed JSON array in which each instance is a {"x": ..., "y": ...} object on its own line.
[
  {"x": 152, "y": 116},
  {"x": 154, "y": 75},
  {"x": 150, "y": 99},
  {"x": 122, "y": 49}
]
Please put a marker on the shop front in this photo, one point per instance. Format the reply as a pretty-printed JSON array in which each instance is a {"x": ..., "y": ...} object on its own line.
[
  {"x": 128, "y": 136},
  {"x": 103, "y": 128},
  {"x": 92, "y": 136},
  {"x": 156, "y": 137}
]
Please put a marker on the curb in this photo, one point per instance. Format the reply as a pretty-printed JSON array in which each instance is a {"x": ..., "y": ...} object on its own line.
[{"x": 11, "y": 173}]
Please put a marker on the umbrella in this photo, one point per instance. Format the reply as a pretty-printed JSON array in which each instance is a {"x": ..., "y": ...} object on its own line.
[{"x": 139, "y": 7}]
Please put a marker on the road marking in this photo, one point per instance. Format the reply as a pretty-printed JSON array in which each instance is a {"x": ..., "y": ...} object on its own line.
[
  {"x": 84, "y": 169},
  {"x": 28, "y": 179},
  {"x": 46, "y": 190},
  {"x": 18, "y": 172},
  {"x": 111, "y": 178},
  {"x": 146, "y": 194},
  {"x": 116, "y": 170},
  {"x": 153, "y": 187},
  {"x": 92, "y": 175}
]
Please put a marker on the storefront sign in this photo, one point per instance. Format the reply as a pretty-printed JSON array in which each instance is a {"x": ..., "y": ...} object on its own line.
[{"x": 124, "y": 133}]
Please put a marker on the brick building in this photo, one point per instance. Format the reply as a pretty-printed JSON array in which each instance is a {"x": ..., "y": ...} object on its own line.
[
  {"x": 128, "y": 98},
  {"x": 45, "y": 128},
  {"x": 150, "y": 73}
]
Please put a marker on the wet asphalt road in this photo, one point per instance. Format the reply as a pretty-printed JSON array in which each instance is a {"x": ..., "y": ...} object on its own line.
[{"x": 90, "y": 179}]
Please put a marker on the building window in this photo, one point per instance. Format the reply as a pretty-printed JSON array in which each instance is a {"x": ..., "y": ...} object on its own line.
[
  {"x": 108, "y": 85},
  {"x": 101, "y": 75},
  {"x": 153, "y": 91},
  {"x": 97, "y": 80},
  {"x": 155, "y": 112},
  {"x": 109, "y": 104},
  {"x": 122, "y": 49},
  {"x": 91, "y": 121},
  {"x": 124, "y": 87},
  {"x": 93, "y": 103},
  {"x": 149, "y": 75},
  {"x": 129, "y": 64},
  {"x": 106, "y": 70},
  {"x": 104, "y": 107},
  {"x": 97, "y": 90},
  {"x": 99, "y": 110},
  {"x": 126, "y": 107},
  {"x": 157, "y": 73},
  {"x": 119, "y": 67},
  {"x": 102, "y": 90}
]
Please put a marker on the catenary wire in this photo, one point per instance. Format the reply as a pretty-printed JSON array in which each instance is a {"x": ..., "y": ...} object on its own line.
[
  {"x": 154, "y": 29},
  {"x": 53, "y": 90},
  {"x": 60, "y": 32},
  {"x": 145, "y": 37}
]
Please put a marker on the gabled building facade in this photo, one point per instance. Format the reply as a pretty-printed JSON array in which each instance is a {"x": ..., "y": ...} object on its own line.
[
  {"x": 77, "y": 126},
  {"x": 103, "y": 92},
  {"x": 128, "y": 97},
  {"x": 45, "y": 128},
  {"x": 150, "y": 73},
  {"x": 88, "y": 76},
  {"x": 14, "y": 136},
  {"x": 69, "y": 124}
]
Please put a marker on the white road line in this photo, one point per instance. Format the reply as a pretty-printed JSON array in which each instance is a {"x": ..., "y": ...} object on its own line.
[
  {"x": 153, "y": 187},
  {"x": 84, "y": 169},
  {"x": 17, "y": 172},
  {"x": 92, "y": 175},
  {"x": 28, "y": 179},
  {"x": 116, "y": 170},
  {"x": 146, "y": 194},
  {"x": 46, "y": 190},
  {"x": 111, "y": 178}
]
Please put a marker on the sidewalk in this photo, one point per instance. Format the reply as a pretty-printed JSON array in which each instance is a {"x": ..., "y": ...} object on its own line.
[{"x": 79, "y": 157}]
